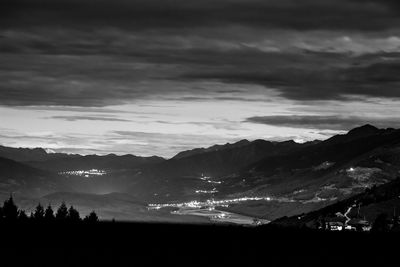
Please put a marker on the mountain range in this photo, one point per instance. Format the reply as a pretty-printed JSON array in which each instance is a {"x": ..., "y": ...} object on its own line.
[{"x": 281, "y": 178}]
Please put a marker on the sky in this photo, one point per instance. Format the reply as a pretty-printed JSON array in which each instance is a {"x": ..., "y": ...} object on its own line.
[{"x": 155, "y": 77}]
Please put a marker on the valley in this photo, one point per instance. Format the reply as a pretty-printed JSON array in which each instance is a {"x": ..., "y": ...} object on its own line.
[{"x": 245, "y": 182}]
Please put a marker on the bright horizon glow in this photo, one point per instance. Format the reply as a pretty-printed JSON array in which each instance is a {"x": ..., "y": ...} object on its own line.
[{"x": 160, "y": 127}]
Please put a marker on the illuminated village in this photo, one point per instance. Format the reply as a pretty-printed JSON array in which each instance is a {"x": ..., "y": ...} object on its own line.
[{"x": 85, "y": 173}]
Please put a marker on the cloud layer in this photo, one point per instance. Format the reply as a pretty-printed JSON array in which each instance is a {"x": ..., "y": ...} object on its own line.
[
  {"x": 203, "y": 70},
  {"x": 342, "y": 123},
  {"x": 85, "y": 53},
  {"x": 145, "y": 14}
]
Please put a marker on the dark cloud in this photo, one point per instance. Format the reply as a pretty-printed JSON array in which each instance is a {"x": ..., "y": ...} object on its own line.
[
  {"x": 324, "y": 122},
  {"x": 76, "y": 109},
  {"x": 92, "y": 81},
  {"x": 100, "y": 53},
  {"x": 82, "y": 81},
  {"x": 314, "y": 76},
  {"x": 150, "y": 14},
  {"x": 88, "y": 118}
]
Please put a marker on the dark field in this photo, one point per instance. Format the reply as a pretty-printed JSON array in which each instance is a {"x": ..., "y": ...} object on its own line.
[{"x": 125, "y": 244}]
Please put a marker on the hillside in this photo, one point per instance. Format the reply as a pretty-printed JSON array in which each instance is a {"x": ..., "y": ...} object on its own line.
[
  {"x": 180, "y": 178},
  {"x": 333, "y": 168},
  {"x": 367, "y": 205},
  {"x": 25, "y": 180}
]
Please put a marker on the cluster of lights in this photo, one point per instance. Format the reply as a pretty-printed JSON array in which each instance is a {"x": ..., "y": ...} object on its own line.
[
  {"x": 214, "y": 182},
  {"x": 214, "y": 190},
  {"x": 207, "y": 203},
  {"x": 85, "y": 173},
  {"x": 319, "y": 199},
  {"x": 207, "y": 179},
  {"x": 221, "y": 216}
]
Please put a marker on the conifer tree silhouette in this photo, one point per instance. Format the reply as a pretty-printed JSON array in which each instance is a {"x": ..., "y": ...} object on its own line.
[
  {"x": 91, "y": 218},
  {"x": 10, "y": 210},
  {"x": 38, "y": 215},
  {"x": 1, "y": 214},
  {"x": 73, "y": 215},
  {"x": 381, "y": 223},
  {"x": 49, "y": 214},
  {"x": 10, "y": 213},
  {"x": 62, "y": 212},
  {"x": 22, "y": 217}
]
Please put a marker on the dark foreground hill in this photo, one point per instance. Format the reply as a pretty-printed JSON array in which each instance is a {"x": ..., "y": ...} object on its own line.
[
  {"x": 118, "y": 244},
  {"x": 375, "y": 201}
]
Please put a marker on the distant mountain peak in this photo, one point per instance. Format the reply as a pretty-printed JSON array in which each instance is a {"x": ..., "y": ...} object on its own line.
[
  {"x": 196, "y": 151},
  {"x": 366, "y": 129},
  {"x": 243, "y": 141}
]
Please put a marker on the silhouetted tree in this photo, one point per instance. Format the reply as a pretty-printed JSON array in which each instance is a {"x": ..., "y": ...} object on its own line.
[
  {"x": 10, "y": 213},
  {"x": 10, "y": 210},
  {"x": 22, "y": 217},
  {"x": 62, "y": 212},
  {"x": 31, "y": 215},
  {"x": 49, "y": 214},
  {"x": 396, "y": 225},
  {"x": 91, "y": 218},
  {"x": 73, "y": 215},
  {"x": 381, "y": 223},
  {"x": 317, "y": 224},
  {"x": 323, "y": 224},
  {"x": 38, "y": 215}
]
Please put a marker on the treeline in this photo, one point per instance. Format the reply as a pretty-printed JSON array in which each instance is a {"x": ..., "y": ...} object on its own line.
[{"x": 10, "y": 213}]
